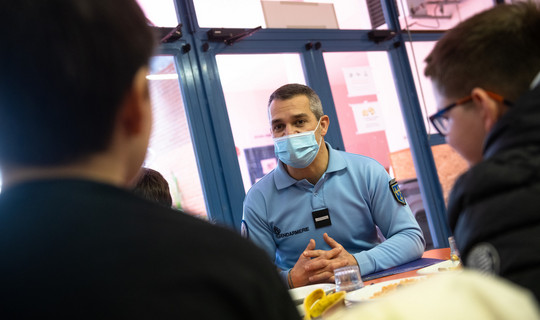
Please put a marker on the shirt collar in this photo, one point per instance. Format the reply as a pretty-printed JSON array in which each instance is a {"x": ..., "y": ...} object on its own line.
[{"x": 283, "y": 180}]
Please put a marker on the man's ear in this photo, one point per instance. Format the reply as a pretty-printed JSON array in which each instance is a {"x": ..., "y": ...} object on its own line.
[
  {"x": 488, "y": 107},
  {"x": 325, "y": 122},
  {"x": 134, "y": 110}
]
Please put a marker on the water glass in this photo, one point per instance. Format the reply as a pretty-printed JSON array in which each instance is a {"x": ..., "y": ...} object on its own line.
[
  {"x": 348, "y": 278},
  {"x": 454, "y": 252}
]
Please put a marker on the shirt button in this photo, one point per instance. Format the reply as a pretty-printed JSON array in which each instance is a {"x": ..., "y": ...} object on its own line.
[{"x": 315, "y": 194}]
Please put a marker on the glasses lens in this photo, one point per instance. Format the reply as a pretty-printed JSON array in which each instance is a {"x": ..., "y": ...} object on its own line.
[{"x": 441, "y": 124}]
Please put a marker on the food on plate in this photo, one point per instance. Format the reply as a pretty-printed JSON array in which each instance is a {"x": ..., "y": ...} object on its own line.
[
  {"x": 300, "y": 293},
  {"x": 454, "y": 268},
  {"x": 311, "y": 298},
  {"x": 318, "y": 302},
  {"x": 456, "y": 264},
  {"x": 392, "y": 287},
  {"x": 444, "y": 266}
]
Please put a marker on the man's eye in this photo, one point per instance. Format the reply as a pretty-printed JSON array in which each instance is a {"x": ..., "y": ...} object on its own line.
[
  {"x": 277, "y": 127},
  {"x": 300, "y": 122}
]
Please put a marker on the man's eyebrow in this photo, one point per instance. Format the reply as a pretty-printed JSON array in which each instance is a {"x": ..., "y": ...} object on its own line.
[
  {"x": 301, "y": 115},
  {"x": 297, "y": 116}
]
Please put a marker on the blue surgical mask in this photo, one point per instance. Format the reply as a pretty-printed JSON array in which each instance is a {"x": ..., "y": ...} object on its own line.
[{"x": 297, "y": 150}]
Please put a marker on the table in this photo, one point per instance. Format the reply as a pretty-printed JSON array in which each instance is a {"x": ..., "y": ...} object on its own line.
[{"x": 442, "y": 253}]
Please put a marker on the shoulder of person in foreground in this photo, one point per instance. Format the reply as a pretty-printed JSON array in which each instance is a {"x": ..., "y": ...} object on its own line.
[
  {"x": 251, "y": 284},
  {"x": 457, "y": 295}
]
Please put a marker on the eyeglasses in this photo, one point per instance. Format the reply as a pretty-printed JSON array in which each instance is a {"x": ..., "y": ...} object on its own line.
[{"x": 440, "y": 119}]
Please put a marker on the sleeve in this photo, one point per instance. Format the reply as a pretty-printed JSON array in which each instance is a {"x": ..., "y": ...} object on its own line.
[
  {"x": 404, "y": 239},
  {"x": 255, "y": 223}
]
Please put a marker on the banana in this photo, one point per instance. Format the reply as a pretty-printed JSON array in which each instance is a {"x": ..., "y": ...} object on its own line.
[
  {"x": 337, "y": 302},
  {"x": 320, "y": 306},
  {"x": 313, "y": 297},
  {"x": 317, "y": 302}
]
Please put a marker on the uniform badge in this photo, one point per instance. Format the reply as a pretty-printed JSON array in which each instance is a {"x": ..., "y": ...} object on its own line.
[
  {"x": 394, "y": 187},
  {"x": 244, "y": 231}
]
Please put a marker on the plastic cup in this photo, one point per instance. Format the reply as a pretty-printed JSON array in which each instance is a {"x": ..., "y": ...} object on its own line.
[{"x": 348, "y": 278}]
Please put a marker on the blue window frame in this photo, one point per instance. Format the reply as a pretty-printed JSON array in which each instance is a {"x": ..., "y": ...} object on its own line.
[{"x": 208, "y": 117}]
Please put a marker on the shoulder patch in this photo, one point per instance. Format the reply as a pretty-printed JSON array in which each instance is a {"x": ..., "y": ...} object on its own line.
[
  {"x": 244, "y": 231},
  {"x": 394, "y": 187}
]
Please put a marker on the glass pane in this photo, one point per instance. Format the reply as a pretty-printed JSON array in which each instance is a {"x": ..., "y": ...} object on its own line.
[
  {"x": 417, "y": 53},
  {"x": 438, "y": 14},
  {"x": 322, "y": 14},
  {"x": 371, "y": 124},
  {"x": 366, "y": 104},
  {"x": 247, "y": 81},
  {"x": 450, "y": 165},
  {"x": 171, "y": 150},
  {"x": 161, "y": 13},
  {"x": 448, "y": 172}
]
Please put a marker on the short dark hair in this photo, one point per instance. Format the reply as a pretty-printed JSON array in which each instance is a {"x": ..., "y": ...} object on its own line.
[
  {"x": 498, "y": 50},
  {"x": 65, "y": 67},
  {"x": 292, "y": 90},
  {"x": 152, "y": 185}
]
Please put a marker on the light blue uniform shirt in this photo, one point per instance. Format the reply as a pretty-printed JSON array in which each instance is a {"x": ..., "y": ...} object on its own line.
[{"x": 356, "y": 191}]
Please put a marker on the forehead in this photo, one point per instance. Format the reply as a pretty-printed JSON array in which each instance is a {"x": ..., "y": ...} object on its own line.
[{"x": 282, "y": 109}]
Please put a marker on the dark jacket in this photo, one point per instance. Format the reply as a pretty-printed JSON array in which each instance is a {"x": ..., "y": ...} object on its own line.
[
  {"x": 85, "y": 250},
  {"x": 494, "y": 209}
]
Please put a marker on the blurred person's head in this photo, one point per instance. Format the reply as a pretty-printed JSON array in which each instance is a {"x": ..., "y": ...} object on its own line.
[
  {"x": 153, "y": 186},
  {"x": 479, "y": 67},
  {"x": 72, "y": 71}
]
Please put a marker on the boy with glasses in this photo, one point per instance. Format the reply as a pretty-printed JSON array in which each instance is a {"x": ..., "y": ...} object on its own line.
[{"x": 486, "y": 78}]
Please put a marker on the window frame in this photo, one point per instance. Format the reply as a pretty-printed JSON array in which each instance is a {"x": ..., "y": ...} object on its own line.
[{"x": 209, "y": 122}]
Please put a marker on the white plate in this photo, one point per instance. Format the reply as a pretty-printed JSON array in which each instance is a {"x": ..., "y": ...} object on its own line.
[
  {"x": 298, "y": 294},
  {"x": 368, "y": 291},
  {"x": 435, "y": 268}
]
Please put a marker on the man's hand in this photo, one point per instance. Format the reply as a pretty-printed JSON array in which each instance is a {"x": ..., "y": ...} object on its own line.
[
  {"x": 317, "y": 266},
  {"x": 323, "y": 263},
  {"x": 297, "y": 275}
]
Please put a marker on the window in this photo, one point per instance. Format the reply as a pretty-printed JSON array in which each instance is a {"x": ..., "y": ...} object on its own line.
[
  {"x": 171, "y": 151},
  {"x": 438, "y": 14},
  {"x": 229, "y": 85},
  {"x": 448, "y": 162},
  {"x": 334, "y": 14},
  {"x": 160, "y": 13},
  {"x": 366, "y": 103},
  {"x": 247, "y": 81},
  {"x": 320, "y": 14}
]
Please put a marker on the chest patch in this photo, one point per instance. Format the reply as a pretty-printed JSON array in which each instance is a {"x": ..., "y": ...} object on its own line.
[
  {"x": 280, "y": 235},
  {"x": 394, "y": 187}
]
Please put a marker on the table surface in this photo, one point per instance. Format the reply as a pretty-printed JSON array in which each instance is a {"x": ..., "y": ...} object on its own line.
[{"x": 442, "y": 253}]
